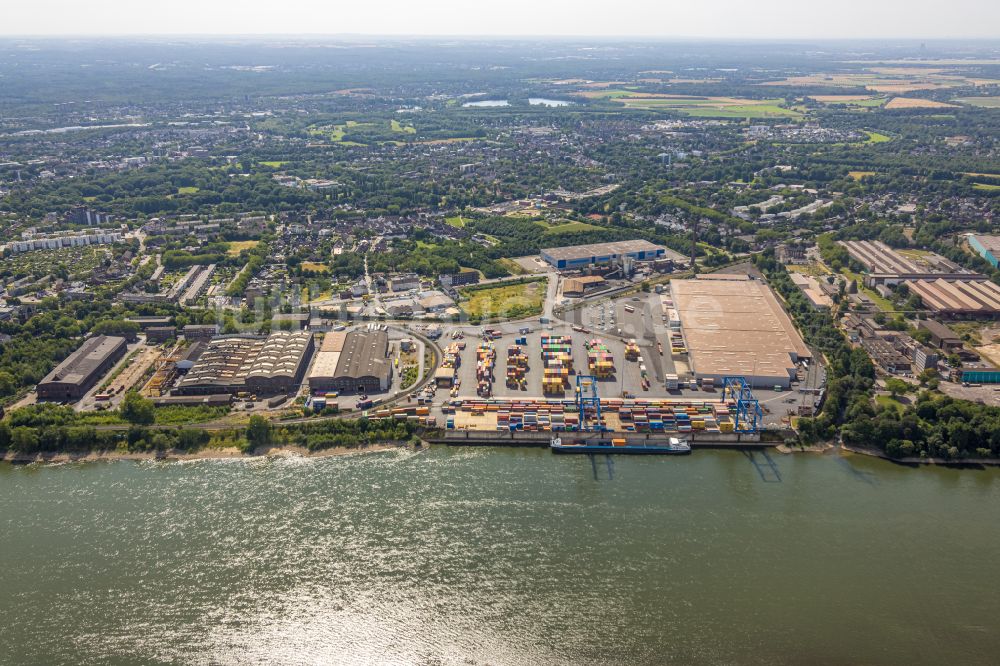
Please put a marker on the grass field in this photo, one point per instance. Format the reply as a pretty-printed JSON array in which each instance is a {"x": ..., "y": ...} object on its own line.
[
  {"x": 570, "y": 227},
  {"x": 889, "y": 402},
  {"x": 982, "y": 102},
  {"x": 512, "y": 266},
  {"x": 457, "y": 221},
  {"x": 505, "y": 300},
  {"x": 815, "y": 269},
  {"x": 985, "y": 187},
  {"x": 187, "y": 190},
  {"x": 858, "y": 175},
  {"x": 336, "y": 132},
  {"x": 396, "y": 126},
  {"x": 274, "y": 164},
  {"x": 875, "y": 137},
  {"x": 315, "y": 267},
  {"x": 235, "y": 247}
]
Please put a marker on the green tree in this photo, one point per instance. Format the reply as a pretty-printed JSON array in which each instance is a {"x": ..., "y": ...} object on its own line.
[
  {"x": 23, "y": 439},
  {"x": 137, "y": 410},
  {"x": 896, "y": 386},
  {"x": 259, "y": 431}
]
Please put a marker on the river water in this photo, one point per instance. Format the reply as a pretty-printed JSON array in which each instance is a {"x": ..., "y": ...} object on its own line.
[{"x": 499, "y": 556}]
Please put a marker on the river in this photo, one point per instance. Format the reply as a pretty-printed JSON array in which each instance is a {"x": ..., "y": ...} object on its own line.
[{"x": 499, "y": 556}]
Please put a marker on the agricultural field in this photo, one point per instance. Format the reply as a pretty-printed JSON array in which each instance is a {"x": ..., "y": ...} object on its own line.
[
  {"x": 504, "y": 300},
  {"x": 893, "y": 80},
  {"x": 981, "y": 102},
  {"x": 235, "y": 247},
  {"x": 860, "y": 175},
  {"x": 914, "y": 103},
  {"x": 866, "y": 101},
  {"x": 709, "y": 107}
]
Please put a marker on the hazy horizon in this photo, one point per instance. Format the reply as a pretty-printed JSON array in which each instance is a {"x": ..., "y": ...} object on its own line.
[{"x": 715, "y": 19}]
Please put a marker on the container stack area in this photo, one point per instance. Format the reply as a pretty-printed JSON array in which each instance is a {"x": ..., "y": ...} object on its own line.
[
  {"x": 557, "y": 362},
  {"x": 617, "y": 415},
  {"x": 417, "y": 414},
  {"x": 452, "y": 360},
  {"x": 599, "y": 358},
  {"x": 658, "y": 416},
  {"x": 486, "y": 356},
  {"x": 517, "y": 368}
]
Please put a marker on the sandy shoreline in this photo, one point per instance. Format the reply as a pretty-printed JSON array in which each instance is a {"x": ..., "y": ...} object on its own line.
[{"x": 204, "y": 454}]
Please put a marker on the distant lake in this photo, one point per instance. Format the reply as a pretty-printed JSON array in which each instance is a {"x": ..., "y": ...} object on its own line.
[
  {"x": 542, "y": 101},
  {"x": 488, "y": 102},
  {"x": 534, "y": 101}
]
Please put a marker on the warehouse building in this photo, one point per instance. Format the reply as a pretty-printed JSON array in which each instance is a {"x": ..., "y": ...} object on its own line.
[
  {"x": 988, "y": 247},
  {"x": 221, "y": 368},
  {"x": 159, "y": 334},
  {"x": 78, "y": 373},
  {"x": 958, "y": 297},
  {"x": 942, "y": 337},
  {"x": 200, "y": 331},
  {"x": 280, "y": 364},
  {"x": 887, "y": 266},
  {"x": 735, "y": 327},
  {"x": 233, "y": 365},
  {"x": 580, "y": 256},
  {"x": 354, "y": 362},
  {"x": 578, "y": 286}
]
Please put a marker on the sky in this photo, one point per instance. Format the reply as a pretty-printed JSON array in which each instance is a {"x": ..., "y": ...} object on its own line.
[{"x": 721, "y": 19}]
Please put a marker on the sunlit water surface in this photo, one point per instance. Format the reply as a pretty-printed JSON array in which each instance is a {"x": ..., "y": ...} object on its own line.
[{"x": 473, "y": 556}]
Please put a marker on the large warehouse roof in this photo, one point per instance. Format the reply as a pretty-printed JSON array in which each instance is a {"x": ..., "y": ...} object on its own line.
[
  {"x": 880, "y": 259},
  {"x": 82, "y": 363},
  {"x": 958, "y": 297},
  {"x": 601, "y": 249},
  {"x": 736, "y": 327},
  {"x": 225, "y": 362},
  {"x": 364, "y": 355},
  {"x": 280, "y": 356},
  {"x": 328, "y": 355}
]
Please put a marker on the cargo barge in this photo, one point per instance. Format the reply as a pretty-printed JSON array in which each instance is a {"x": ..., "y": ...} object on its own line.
[{"x": 673, "y": 446}]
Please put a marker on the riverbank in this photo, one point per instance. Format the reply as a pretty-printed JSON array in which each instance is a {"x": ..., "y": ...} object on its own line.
[
  {"x": 967, "y": 462},
  {"x": 202, "y": 454}
]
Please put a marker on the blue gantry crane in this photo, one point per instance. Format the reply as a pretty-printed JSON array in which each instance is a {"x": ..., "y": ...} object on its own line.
[
  {"x": 586, "y": 397},
  {"x": 748, "y": 411}
]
